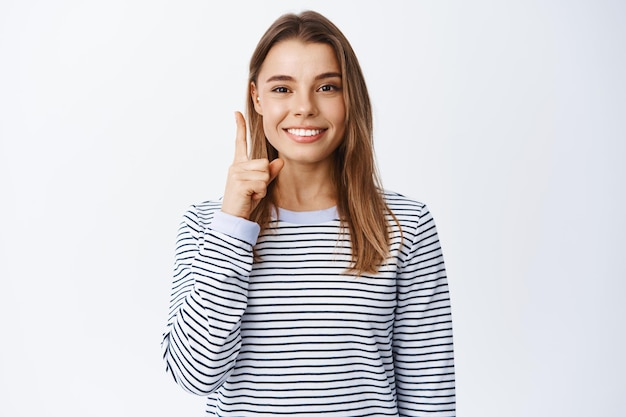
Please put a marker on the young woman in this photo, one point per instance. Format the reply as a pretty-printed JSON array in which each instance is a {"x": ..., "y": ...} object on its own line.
[{"x": 309, "y": 290}]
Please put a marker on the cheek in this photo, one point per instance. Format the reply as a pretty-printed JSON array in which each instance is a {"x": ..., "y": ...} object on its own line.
[
  {"x": 339, "y": 115},
  {"x": 336, "y": 111},
  {"x": 270, "y": 127},
  {"x": 269, "y": 122},
  {"x": 272, "y": 115}
]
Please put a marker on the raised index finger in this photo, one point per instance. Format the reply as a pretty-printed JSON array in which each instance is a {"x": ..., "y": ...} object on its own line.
[{"x": 241, "y": 145}]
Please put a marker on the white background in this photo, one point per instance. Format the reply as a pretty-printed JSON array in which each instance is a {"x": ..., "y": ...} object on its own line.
[{"x": 506, "y": 117}]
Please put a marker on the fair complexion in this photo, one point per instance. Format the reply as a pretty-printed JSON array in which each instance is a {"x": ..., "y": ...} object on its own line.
[
  {"x": 247, "y": 180},
  {"x": 299, "y": 95}
]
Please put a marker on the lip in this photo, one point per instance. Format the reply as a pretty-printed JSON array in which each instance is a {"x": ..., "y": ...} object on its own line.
[{"x": 308, "y": 137}]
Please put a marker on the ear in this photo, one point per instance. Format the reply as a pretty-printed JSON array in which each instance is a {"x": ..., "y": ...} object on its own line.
[{"x": 254, "y": 95}]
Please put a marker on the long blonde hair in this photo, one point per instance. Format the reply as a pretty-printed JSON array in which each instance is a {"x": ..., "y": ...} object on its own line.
[{"x": 360, "y": 203}]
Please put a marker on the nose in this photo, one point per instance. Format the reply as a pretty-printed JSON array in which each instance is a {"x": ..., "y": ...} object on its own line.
[{"x": 304, "y": 104}]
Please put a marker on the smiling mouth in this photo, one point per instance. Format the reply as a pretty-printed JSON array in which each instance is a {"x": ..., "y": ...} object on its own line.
[{"x": 305, "y": 132}]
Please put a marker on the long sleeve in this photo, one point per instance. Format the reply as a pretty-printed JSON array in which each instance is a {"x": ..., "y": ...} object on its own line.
[
  {"x": 209, "y": 296},
  {"x": 422, "y": 341}
]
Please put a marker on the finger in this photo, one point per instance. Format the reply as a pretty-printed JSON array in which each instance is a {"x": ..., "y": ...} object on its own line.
[
  {"x": 249, "y": 166},
  {"x": 259, "y": 190},
  {"x": 275, "y": 166},
  {"x": 241, "y": 145},
  {"x": 242, "y": 175}
]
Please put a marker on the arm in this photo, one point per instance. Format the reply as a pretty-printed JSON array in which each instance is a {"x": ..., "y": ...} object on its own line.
[
  {"x": 209, "y": 295},
  {"x": 423, "y": 349},
  {"x": 213, "y": 263}
]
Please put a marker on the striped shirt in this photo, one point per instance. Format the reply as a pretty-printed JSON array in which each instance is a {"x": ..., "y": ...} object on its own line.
[{"x": 269, "y": 323}]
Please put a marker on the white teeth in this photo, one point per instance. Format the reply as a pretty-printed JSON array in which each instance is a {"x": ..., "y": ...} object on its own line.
[{"x": 305, "y": 132}]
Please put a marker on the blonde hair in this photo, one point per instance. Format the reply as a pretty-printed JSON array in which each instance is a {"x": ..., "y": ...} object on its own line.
[{"x": 360, "y": 203}]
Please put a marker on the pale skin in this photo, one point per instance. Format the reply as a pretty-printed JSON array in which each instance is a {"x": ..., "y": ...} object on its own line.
[
  {"x": 298, "y": 94},
  {"x": 247, "y": 179}
]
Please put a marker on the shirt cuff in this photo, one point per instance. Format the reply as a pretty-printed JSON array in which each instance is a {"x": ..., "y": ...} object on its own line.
[{"x": 236, "y": 227}]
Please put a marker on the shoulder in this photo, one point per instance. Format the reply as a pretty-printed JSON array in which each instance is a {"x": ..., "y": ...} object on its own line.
[
  {"x": 407, "y": 213},
  {"x": 402, "y": 205},
  {"x": 201, "y": 214}
]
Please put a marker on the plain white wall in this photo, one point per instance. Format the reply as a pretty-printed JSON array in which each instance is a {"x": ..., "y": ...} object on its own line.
[{"x": 506, "y": 117}]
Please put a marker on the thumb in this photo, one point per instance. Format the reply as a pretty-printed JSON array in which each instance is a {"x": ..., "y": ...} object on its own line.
[{"x": 275, "y": 166}]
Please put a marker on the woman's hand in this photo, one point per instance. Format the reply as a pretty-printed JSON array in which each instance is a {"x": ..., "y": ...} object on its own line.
[{"x": 248, "y": 179}]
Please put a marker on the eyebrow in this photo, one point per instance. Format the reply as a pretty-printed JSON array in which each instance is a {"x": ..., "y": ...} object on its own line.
[{"x": 322, "y": 76}]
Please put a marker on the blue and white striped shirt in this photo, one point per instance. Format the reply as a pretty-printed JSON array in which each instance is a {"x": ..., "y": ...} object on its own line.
[{"x": 271, "y": 324}]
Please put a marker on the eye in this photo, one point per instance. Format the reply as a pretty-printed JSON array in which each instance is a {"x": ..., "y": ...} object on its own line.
[
  {"x": 328, "y": 88},
  {"x": 280, "y": 89}
]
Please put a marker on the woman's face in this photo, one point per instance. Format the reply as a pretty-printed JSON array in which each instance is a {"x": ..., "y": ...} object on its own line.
[{"x": 299, "y": 91}]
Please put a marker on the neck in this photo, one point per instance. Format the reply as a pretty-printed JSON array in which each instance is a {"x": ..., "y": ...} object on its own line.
[{"x": 304, "y": 189}]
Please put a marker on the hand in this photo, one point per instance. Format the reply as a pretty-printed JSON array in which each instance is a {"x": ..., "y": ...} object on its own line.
[{"x": 248, "y": 179}]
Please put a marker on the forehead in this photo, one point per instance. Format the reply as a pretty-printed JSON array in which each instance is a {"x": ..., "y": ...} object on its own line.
[{"x": 299, "y": 59}]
